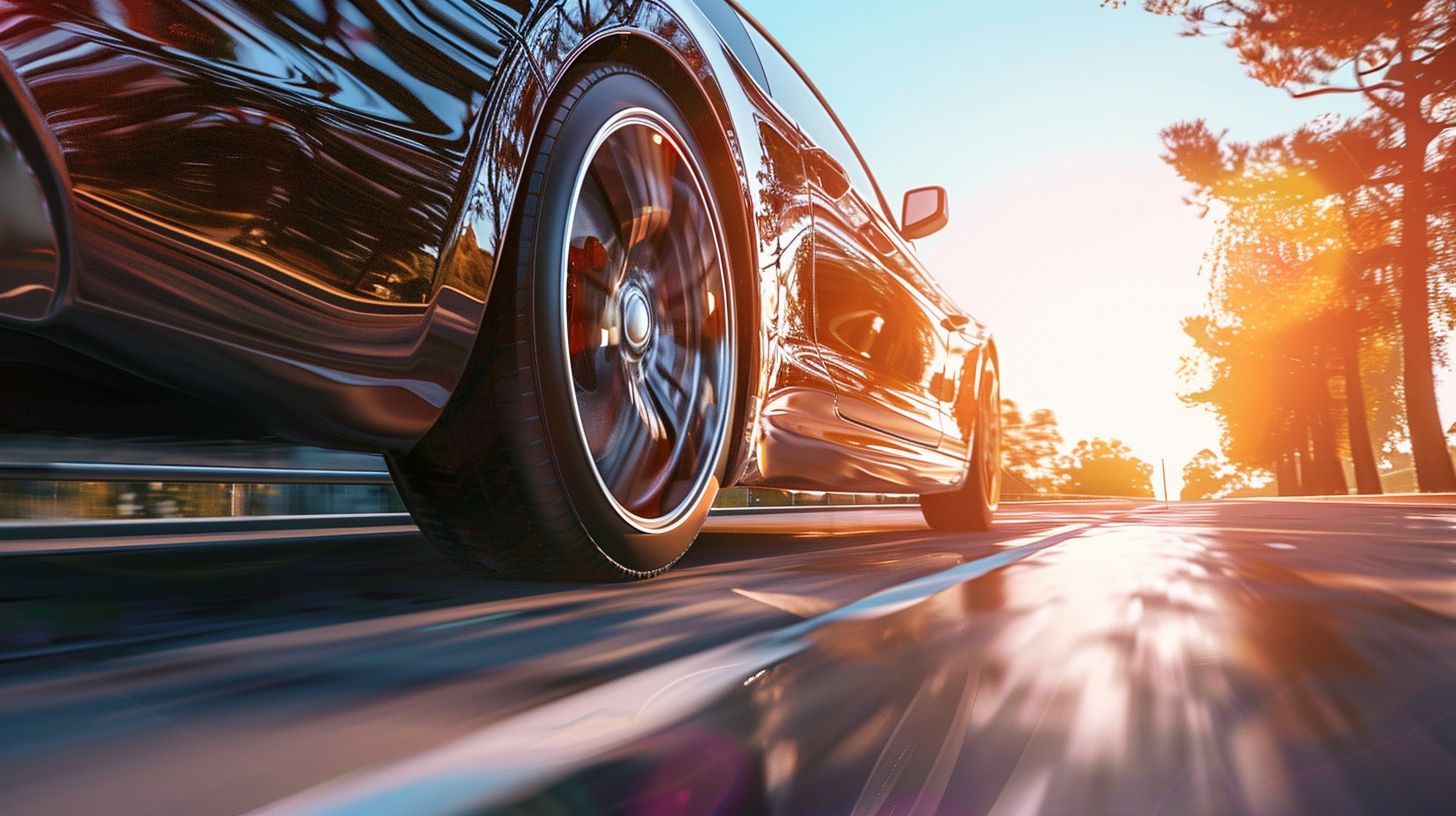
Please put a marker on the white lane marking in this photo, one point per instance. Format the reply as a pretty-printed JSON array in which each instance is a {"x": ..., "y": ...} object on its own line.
[
  {"x": 440, "y": 627},
  {"x": 545, "y": 743},
  {"x": 800, "y": 606}
]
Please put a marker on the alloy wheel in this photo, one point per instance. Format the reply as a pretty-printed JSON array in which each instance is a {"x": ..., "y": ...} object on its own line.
[{"x": 647, "y": 316}]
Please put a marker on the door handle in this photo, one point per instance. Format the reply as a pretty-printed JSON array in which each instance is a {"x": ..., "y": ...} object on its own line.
[{"x": 955, "y": 322}]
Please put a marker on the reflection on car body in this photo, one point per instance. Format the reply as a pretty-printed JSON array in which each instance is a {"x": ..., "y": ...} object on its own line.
[{"x": 311, "y": 221}]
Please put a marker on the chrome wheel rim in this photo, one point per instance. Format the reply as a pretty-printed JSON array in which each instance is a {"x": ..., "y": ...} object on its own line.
[{"x": 647, "y": 321}]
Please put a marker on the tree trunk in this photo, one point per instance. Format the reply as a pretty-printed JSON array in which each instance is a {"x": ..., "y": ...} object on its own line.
[
  {"x": 1434, "y": 471},
  {"x": 1306, "y": 471},
  {"x": 1330, "y": 474},
  {"x": 1286, "y": 476},
  {"x": 1362, "y": 453}
]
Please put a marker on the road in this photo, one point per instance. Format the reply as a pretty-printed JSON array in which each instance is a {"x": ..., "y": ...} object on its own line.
[{"x": 1229, "y": 658}]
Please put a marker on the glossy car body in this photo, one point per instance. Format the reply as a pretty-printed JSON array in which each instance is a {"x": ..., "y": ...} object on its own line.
[{"x": 283, "y": 219}]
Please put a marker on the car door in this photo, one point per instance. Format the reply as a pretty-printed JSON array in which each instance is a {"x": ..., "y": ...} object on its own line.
[
  {"x": 320, "y": 145},
  {"x": 879, "y": 335}
]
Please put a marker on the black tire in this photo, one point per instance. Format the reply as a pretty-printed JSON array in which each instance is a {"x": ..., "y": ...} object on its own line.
[
  {"x": 972, "y": 507},
  {"x": 508, "y": 480}
]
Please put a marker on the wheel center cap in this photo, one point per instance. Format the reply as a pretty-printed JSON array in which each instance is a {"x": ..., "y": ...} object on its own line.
[{"x": 636, "y": 320}]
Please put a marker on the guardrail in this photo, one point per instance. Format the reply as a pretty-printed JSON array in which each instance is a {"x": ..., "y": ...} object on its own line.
[
  {"x": 80, "y": 477},
  {"x": 1036, "y": 497},
  {"x": 133, "y": 490},
  {"x": 234, "y": 474},
  {"x": 34, "y": 537},
  {"x": 228, "y": 474},
  {"x": 61, "y": 477}
]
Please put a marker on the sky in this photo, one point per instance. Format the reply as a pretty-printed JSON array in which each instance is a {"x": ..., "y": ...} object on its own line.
[{"x": 1068, "y": 234}]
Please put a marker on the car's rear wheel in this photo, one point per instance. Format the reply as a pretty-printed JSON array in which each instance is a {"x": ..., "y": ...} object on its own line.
[
  {"x": 589, "y": 437},
  {"x": 973, "y": 505}
]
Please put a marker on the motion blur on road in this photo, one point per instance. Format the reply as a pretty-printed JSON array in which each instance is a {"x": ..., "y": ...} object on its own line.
[{"x": 1258, "y": 657}]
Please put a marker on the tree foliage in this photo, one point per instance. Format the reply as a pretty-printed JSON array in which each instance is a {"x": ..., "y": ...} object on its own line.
[
  {"x": 1337, "y": 252},
  {"x": 1102, "y": 467},
  {"x": 1210, "y": 476},
  {"x": 1031, "y": 448},
  {"x": 1296, "y": 347}
]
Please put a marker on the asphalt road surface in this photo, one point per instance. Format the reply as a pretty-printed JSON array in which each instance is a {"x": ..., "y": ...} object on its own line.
[{"x": 1222, "y": 658}]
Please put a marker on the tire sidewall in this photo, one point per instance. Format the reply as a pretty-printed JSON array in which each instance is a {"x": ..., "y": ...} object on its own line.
[{"x": 542, "y": 265}]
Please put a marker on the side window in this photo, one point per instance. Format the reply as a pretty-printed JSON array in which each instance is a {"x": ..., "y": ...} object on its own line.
[
  {"x": 734, "y": 33},
  {"x": 794, "y": 95}
]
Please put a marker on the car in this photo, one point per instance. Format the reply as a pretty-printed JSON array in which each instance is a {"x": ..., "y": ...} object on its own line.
[{"x": 572, "y": 267}]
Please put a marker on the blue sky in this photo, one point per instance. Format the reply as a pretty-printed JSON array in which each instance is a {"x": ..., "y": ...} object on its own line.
[{"x": 1067, "y": 234}]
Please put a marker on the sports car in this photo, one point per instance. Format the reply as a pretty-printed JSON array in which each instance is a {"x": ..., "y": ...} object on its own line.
[{"x": 572, "y": 266}]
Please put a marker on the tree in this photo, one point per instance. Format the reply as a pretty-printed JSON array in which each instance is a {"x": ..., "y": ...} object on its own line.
[
  {"x": 1210, "y": 476},
  {"x": 1397, "y": 54},
  {"x": 1030, "y": 449},
  {"x": 1101, "y": 467},
  {"x": 1345, "y": 162},
  {"x": 1299, "y": 298}
]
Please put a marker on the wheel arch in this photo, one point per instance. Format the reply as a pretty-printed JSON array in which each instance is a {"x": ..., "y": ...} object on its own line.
[
  {"x": 37, "y": 147},
  {"x": 989, "y": 354},
  {"x": 989, "y": 357},
  {"x": 968, "y": 396},
  {"x": 968, "y": 400}
]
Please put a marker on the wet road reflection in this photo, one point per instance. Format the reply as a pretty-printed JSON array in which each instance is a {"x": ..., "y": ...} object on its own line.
[
  {"x": 1212, "y": 658},
  {"x": 1149, "y": 667}
]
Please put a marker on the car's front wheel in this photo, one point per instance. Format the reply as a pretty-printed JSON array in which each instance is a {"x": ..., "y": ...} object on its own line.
[
  {"x": 973, "y": 505},
  {"x": 589, "y": 439}
]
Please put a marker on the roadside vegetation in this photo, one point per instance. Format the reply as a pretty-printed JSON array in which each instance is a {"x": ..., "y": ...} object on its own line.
[
  {"x": 1036, "y": 465},
  {"x": 1332, "y": 277}
]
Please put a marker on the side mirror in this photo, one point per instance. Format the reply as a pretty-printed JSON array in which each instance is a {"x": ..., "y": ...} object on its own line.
[{"x": 926, "y": 212}]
